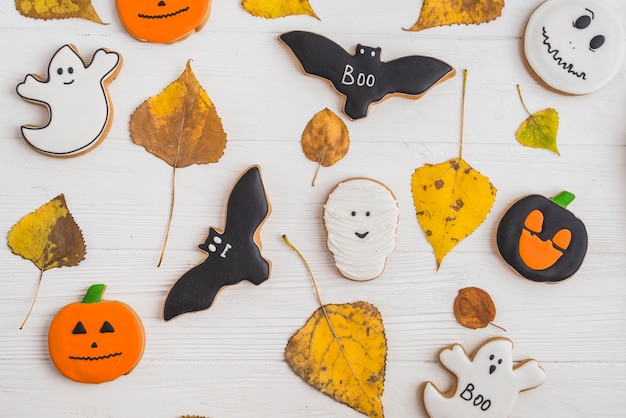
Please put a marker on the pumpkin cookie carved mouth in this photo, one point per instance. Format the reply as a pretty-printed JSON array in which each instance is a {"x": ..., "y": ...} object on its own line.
[
  {"x": 165, "y": 16},
  {"x": 89, "y": 358}
]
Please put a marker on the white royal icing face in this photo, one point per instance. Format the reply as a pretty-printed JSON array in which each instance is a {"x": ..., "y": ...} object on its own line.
[
  {"x": 487, "y": 385},
  {"x": 361, "y": 219},
  {"x": 574, "y": 46},
  {"x": 76, "y": 99}
]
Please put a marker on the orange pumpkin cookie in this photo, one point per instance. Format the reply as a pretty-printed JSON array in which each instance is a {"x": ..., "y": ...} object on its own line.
[
  {"x": 96, "y": 341},
  {"x": 162, "y": 21}
]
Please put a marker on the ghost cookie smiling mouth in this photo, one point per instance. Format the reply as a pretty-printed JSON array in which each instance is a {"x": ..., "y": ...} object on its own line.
[
  {"x": 361, "y": 220},
  {"x": 574, "y": 46}
]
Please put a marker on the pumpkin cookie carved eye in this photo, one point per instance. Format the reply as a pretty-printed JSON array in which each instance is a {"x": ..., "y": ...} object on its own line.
[
  {"x": 79, "y": 329},
  {"x": 106, "y": 327},
  {"x": 534, "y": 221}
]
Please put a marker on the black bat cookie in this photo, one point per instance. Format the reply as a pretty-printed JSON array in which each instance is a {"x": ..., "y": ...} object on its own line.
[
  {"x": 233, "y": 255},
  {"x": 363, "y": 78}
]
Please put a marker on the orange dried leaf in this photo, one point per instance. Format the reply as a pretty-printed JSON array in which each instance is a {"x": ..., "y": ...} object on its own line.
[
  {"x": 180, "y": 126},
  {"x": 272, "y": 9},
  {"x": 57, "y": 9},
  {"x": 461, "y": 12},
  {"x": 342, "y": 353},
  {"x": 325, "y": 139},
  {"x": 474, "y": 308},
  {"x": 49, "y": 237}
]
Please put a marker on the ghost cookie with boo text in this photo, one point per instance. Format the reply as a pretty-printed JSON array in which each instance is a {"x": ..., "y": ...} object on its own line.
[
  {"x": 361, "y": 221},
  {"x": 487, "y": 383},
  {"x": 574, "y": 46},
  {"x": 77, "y": 99}
]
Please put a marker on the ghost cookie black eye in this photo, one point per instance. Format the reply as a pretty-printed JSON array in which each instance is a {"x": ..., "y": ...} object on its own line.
[
  {"x": 367, "y": 213},
  {"x": 582, "y": 22},
  {"x": 596, "y": 42},
  {"x": 70, "y": 70},
  {"x": 59, "y": 71},
  {"x": 353, "y": 213}
]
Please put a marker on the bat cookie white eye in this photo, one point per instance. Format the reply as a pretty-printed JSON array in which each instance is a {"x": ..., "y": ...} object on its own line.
[
  {"x": 362, "y": 51},
  {"x": 373, "y": 54},
  {"x": 217, "y": 240},
  {"x": 212, "y": 248}
]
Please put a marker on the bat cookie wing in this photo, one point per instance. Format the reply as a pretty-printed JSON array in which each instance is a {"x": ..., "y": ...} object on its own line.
[{"x": 414, "y": 75}]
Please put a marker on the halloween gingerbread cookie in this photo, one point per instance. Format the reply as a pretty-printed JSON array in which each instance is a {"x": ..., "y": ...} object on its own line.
[
  {"x": 362, "y": 77},
  {"x": 574, "y": 46},
  {"x": 487, "y": 383},
  {"x": 96, "y": 341},
  {"x": 541, "y": 239},
  {"x": 233, "y": 255},
  {"x": 76, "y": 95},
  {"x": 163, "y": 21},
  {"x": 361, "y": 221}
]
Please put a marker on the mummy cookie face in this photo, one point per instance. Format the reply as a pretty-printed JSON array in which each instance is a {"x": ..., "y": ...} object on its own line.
[
  {"x": 76, "y": 96},
  {"x": 361, "y": 220},
  {"x": 574, "y": 46},
  {"x": 488, "y": 383},
  {"x": 162, "y": 21}
]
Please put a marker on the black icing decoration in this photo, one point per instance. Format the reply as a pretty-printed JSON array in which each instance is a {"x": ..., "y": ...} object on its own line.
[
  {"x": 233, "y": 255},
  {"x": 363, "y": 78},
  {"x": 555, "y": 218}
]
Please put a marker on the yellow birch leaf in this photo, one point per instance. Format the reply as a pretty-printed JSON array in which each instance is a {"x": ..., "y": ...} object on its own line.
[
  {"x": 57, "y": 9},
  {"x": 272, "y": 9},
  {"x": 451, "y": 200},
  {"x": 325, "y": 139},
  {"x": 540, "y": 129},
  {"x": 460, "y": 12},
  {"x": 49, "y": 237},
  {"x": 345, "y": 361},
  {"x": 181, "y": 126}
]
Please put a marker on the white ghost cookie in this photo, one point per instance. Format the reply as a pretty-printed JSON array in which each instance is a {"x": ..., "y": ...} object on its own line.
[
  {"x": 361, "y": 220},
  {"x": 487, "y": 383},
  {"x": 76, "y": 96},
  {"x": 574, "y": 46}
]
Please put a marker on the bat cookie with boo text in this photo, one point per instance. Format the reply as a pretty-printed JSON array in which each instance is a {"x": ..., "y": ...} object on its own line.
[
  {"x": 233, "y": 255},
  {"x": 363, "y": 78}
]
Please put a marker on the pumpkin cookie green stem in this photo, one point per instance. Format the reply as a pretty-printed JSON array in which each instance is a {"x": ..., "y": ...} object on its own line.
[
  {"x": 563, "y": 199},
  {"x": 94, "y": 293}
]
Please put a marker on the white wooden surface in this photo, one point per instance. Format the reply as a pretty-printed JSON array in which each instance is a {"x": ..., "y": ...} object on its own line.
[{"x": 228, "y": 361}]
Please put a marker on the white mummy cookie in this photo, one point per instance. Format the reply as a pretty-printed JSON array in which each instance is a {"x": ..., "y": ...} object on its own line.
[
  {"x": 574, "y": 46},
  {"x": 361, "y": 220},
  {"x": 76, "y": 96},
  {"x": 487, "y": 383}
]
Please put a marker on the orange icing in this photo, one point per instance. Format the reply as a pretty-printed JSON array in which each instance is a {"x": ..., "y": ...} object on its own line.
[
  {"x": 536, "y": 253},
  {"x": 162, "y": 21}
]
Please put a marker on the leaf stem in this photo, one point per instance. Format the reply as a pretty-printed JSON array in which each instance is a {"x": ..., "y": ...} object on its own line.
[
  {"x": 519, "y": 92},
  {"x": 317, "y": 292},
  {"x": 463, "y": 114},
  {"x": 498, "y": 326},
  {"x": 32, "y": 305},
  {"x": 169, "y": 222}
]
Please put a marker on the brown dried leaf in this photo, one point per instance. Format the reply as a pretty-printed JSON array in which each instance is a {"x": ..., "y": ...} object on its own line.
[
  {"x": 180, "y": 126},
  {"x": 325, "y": 139},
  {"x": 57, "y": 9},
  {"x": 474, "y": 308},
  {"x": 463, "y": 12}
]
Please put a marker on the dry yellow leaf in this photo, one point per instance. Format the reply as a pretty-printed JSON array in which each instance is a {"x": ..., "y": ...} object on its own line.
[
  {"x": 540, "y": 129},
  {"x": 451, "y": 200},
  {"x": 49, "y": 237},
  {"x": 345, "y": 361},
  {"x": 462, "y": 12},
  {"x": 325, "y": 139},
  {"x": 272, "y": 9},
  {"x": 181, "y": 126},
  {"x": 57, "y": 9}
]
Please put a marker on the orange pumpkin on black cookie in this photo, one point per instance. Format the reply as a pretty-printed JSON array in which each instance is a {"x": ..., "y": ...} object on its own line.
[
  {"x": 162, "y": 21},
  {"x": 541, "y": 239}
]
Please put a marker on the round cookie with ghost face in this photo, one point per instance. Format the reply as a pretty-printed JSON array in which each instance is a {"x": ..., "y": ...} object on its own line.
[
  {"x": 361, "y": 220},
  {"x": 574, "y": 46}
]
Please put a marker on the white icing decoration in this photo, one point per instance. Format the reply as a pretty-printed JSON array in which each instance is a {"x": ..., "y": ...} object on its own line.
[
  {"x": 361, "y": 258},
  {"x": 487, "y": 384},
  {"x": 76, "y": 100},
  {"x": 561, "y": 54}
]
